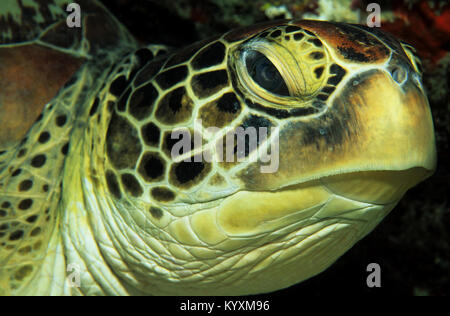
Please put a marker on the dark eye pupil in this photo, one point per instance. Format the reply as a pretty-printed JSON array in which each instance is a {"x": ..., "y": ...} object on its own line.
[{"x": 265, "y": 74}]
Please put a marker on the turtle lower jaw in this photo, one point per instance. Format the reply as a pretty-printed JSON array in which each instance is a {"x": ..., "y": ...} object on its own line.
[{"x": 330, "y": 196}]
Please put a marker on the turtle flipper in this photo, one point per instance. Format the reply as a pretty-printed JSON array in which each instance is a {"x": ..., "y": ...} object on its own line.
[
  {"x": 54, "y": 73},
  {"x": 30, "y": 188}
]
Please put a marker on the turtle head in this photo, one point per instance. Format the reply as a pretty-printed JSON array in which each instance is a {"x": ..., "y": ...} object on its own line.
[
  {"x": 348, "y": 99},
  {"x": 338, "y": 109}
]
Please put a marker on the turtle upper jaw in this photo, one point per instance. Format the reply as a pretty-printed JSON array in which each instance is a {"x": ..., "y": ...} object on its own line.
[{"x": 375, "y": 187}]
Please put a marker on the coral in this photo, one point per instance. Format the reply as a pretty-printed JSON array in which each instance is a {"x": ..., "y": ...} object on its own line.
[
  {"x": 339, "y": 11},
  {"x": 424, "y": 25}
]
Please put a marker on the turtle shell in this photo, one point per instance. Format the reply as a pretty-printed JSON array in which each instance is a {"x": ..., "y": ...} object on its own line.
[{"x": 40, "y": 53}]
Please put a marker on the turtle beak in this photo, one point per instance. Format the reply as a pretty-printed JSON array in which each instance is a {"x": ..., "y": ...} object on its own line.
[{"x": 400, "y": 127}]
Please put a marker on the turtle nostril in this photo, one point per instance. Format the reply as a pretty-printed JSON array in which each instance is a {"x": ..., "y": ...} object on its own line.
[{"x": 398, "y": 74}]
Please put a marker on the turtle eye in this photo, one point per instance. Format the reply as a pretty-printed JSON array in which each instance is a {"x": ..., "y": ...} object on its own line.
[{"x": 264, "y": 73}]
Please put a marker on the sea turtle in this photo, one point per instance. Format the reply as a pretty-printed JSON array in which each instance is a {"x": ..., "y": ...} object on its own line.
[{"x": 98, "y": 191}]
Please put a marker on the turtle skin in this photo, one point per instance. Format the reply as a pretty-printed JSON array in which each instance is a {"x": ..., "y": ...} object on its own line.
[{"x": 94, "y": 202}]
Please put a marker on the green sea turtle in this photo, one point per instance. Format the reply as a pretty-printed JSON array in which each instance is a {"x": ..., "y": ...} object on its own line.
[{"x": 93, "y": 200}]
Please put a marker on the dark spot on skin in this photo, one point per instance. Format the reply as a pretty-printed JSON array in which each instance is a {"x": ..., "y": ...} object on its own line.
[
  {"x": 118, "y": 86},
  {"x": 287, "y": 37},
  {"x": 322, "y": 97},
  {"x": 18, "y": 234},
  {"x": 220, "y": 112},
  {"x": 32, "y": 219},
  {"x": 148, "y": 72},
  {"x": 2, "y": 152},
  {"x": 24, "y": 250},
  {"x": 292, "y": 28},
  {"x": 24, "y": 271},
  {"x": 189, "y": 173},
  {"x": 122, "y": 102},
  {"x": 44, "y": 137},
  {"x": 151, "y": 134},
  {"x": 275, "y": 34},
  {"x": 144, "y": 55},
  {"x": 339, "y": 73},
  {"x": 162, "y": 194},
  {"x": 350, "y": 54},
  {"x": 132, "y": 185},
  {"x": 169, "y": 142},
  {"x": 4, "y": 227},
  {"x": 229, "y": 103},
  {"x": 6, "y": 204},
  {"x": 171, "y": 77},
  {"x": 141, "y": 102},
  {"x": 316, "y": 55},
  {"x": 161, "y": 52},
  {"x": 122, "y": 143},
  {"x": 35, "y": 232},
  {"x": 183, "y": 55},
  {"x": 315, "y": 41},
  {"x": 156, "y": 212},
  {"x": 255, "y": 122},
  {"x": 310, "y": 33},
  {"x": 16, "y": 172},
  {"x": 211, "y": 55},
  {"x": 25, "y": 204},
  {"x": 65, "y": 149},
  {"x": 112, "y": 183},
  {"x": 319, "y": 71},
  {"x": 94, "y": 106},
  {"x": 38, "y": 161},
  {"x": 298, "y": 36},
  {"x": 45, "y": 188},
  {"x": 40, "y": 117},
  {"x": 110, "y": 106},
  {"x": 328, "y": 89},
  {"x": 209, "y": 83},
  {"x": 174, "y": 102},
  {"x": 151, "y": 167},
  {"x": 61, "y": 120},
  {"x": 3, "y": 213},
  {"x": 25, "y": 185},
  {"x": 21, "y": 152},
  {"x": 174, "y": 107},
  {"x": 264, "y": 34}
]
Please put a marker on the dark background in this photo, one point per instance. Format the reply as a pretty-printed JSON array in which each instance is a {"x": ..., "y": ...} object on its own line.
[{"x": 412, "y": 244}]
